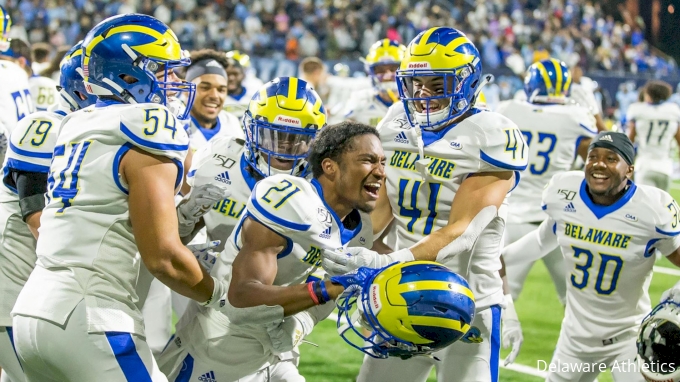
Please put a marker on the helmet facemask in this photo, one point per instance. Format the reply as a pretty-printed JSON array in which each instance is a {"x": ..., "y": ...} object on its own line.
[
  {"x": 658, "y": 343},
  {"x": 457, "y": 89}
]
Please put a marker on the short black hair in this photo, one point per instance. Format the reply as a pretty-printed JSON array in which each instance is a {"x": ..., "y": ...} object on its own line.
[
  {"x": 335, "y": 140},
  {"x": 20, "y": 48}
]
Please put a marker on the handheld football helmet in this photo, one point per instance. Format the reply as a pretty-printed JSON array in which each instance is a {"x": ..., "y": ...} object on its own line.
[
  {"x": 124, "y": 55},
  {"x": 658, "y": 344},
  {"x": 281, "y": 122},
  {"x": 547, "y": 81},
  {"x": 412, "y": 308},
  {"x": 5, "y": 25},
  {"x": 448, "y": 54},
  {"x": 384, "y": 56},
  {"x": 71, "y": 86}
]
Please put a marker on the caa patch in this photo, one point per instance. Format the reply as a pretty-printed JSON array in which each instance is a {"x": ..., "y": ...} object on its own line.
[{"x": 473, "y": 336}]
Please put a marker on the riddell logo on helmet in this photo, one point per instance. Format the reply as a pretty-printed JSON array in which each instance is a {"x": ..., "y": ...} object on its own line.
[
  {"x": 374, "y": 298},
  {"x": 418, "y": 65},
  {"x": 289, "y": 121}
]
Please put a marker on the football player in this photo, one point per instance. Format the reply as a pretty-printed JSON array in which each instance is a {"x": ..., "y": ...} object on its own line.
[
  {"x": 369, "y": 106},
  {"x": 15, "y": 96},
  {"x": 556, "y": 130},
  {"x": 250, "y": 81},
  {"x": 608, "y": 243},
  {"x": 112, "y": 181},
  {"x": 208, "y": 120},
  {"x": 276, "y": 246},
  {"x": 438, "y": 146},
  {"x": 238, "y": 95},
  {"x": 653, "y": 125},
  {"x": 21, "y": 197}
]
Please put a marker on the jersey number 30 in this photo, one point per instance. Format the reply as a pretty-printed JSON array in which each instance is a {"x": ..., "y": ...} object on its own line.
[
  {"x": 610, "y": 268},
  {"x": 63, "y": 183}
]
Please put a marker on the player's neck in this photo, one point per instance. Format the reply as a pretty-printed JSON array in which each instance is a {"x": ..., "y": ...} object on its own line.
[
  {"x": 609, "y": 199},
  {"x": 204, "y": 123},
  {"x": 237, "y": 91},
  {"x": 334, "y": 200}
]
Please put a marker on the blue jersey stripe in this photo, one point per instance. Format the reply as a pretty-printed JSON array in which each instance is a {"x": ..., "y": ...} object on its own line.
[
  {"x": 30, "y": 154},
  {"x": 151, "y": 144},
  {"x": 20, "y": 165},
  {"x": 187, "y": 368},
  {"x": 131, "y": 364},
  {"x": 495, "y": 341}
]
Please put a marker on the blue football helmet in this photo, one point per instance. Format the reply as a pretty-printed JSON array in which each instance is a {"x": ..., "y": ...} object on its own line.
[
  {"x": 446, "y": 53},
  {"x": 5, "y": 25},
  {"x": 281, "y": 122},
  {"x": 123, "y": 55},
  {"x": 547, "y": 81},
  {"x": 658, "y": 343},
  {"x": 412, "y": 308},
  {"x": 71, "y": 86}
]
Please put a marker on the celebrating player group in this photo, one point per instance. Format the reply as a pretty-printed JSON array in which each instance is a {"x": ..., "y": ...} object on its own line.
[{"x": 163, "y": 180}]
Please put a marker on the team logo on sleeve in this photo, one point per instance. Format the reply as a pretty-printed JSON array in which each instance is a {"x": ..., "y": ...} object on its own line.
[
  {"x": 224, "y": 161},
  {"x": 568, "y": 195},
  {"x": 456, "y": 145}
]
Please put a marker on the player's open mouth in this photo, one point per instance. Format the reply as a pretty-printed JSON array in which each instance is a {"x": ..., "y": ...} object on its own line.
[
  {"x": 599, "y": 176},
  {"x": 372, "y": 189},
  {"x": 429, "y": 107}
]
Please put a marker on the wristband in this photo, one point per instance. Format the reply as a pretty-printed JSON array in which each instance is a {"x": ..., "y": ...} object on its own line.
[
  {"x": 312, "y": 294},
  {"x": 324, "y": 292},
  {"x": 319, "y": 294}
]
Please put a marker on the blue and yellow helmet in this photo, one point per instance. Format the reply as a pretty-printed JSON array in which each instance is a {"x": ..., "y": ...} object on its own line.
[
  {"x": 5, "y": 25},
  {"x": 412, "y": 308},
  {"x": 71, "y": 86},
  {"x": 546, "y": 81},
  {"x": 384, "y": 55},
  {"x": 281, "y": 122},
  {"x": 448, "y": 54},
  {"x": 123, "y": 54},
  {"x": 242, "y": 58}
]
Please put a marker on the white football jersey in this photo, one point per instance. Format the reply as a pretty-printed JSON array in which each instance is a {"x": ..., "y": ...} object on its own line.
[
  {"x": 86, "y": 249},
  {"x": 584, "y": 95},
  {"x": 15, "y": 96},
  {"x": 31, "y": 145},
  {"x": 655, "y": 129},
  {"x": 44, "y": 93},
  {"x": 222, "y": 161},
  {"x": 365, "y": 106},
  {"x": 553, "y": 133},
  {"x": 294, "y": 208},
  {"x": 421, "y": 185},
  {"x": 227, "y": 125},
  {"x": 237, "y": 104},
  {"x": 609, "y": 253}
]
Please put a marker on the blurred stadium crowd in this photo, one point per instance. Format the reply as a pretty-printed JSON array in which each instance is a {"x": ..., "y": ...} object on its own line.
[{"x": 509, "y": 33}]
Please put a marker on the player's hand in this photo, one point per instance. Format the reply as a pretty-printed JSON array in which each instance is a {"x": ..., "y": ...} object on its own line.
[
  {"x": 197, "y": 204},
  {"x": 357, "y": 279},
  {"x": 511, "y": 331},
  {"x": 287, "y": 335},
  {"x": 672, "y": 294},
  {"x": 353, "y": 258},
  {"x": 204, "y": 254}
]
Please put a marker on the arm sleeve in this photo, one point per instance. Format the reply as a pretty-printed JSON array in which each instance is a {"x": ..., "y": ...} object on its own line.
[
  {"x": 31, "y": 187},
  {"x": 667, "y": 230},
  {"x": 502, "y": 146},
  {"x": 532, "y": 246}
]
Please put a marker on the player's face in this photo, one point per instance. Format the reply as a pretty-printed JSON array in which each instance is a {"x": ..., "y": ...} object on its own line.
[
  {"x": 362, "y": 173},
  {"x": 606, "y": 172},
  {"x": 172, "y": 77},
  {"x": 235, "y": 77},
  {"x": 386, "y": 72},
  {"x": 211, "y": 91},
  {"x": 429, "y": 86}
]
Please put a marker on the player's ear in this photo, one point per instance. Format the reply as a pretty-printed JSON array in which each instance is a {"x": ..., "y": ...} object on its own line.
[
  {"x": 330, "y": 167},
  {"x": 629, "y": 173}
]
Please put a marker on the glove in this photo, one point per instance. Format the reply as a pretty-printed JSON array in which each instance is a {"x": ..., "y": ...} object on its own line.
[
  {"x": 197, "y": 204},
  {"x": 287, "y": 335},
  {"x": 672, "y": 294},
  {"x": 356, "y": 279},
  {"x": 339, "y": 263},
  {"x": 204, "y": 254},
  {"x": 512, "y": 330}
]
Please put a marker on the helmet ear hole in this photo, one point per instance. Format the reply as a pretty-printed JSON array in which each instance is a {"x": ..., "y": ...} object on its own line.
[
  {"x": 474, "y": 84},
  {"x": 128, "y": 79}
]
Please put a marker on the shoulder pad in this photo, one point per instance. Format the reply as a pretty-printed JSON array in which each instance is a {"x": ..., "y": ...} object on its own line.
[
  {"x": 502, "y": 146},
  {"x": 505, "y": 105},
  {"x": 395, "y": 116},
  {"x": 32, "y": 142},
  {"x": 584, "y": 118},
  {"x": 153, "y": 128},
  {"x": 284, "y": 203},
  {"x": 214, "y": 159}
]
